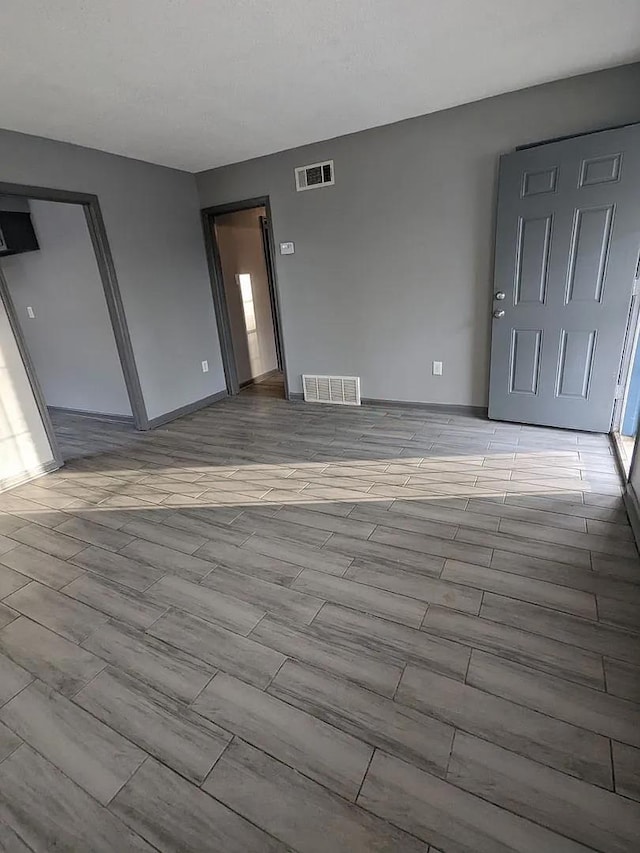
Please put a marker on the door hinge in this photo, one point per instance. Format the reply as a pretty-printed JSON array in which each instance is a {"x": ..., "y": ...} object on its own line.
[
  {"x": 619, "y": 392},
  {"x": 636, "y": 287}
]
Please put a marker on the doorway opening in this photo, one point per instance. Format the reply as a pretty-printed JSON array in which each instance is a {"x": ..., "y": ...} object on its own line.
[
  {"x": 61, "y": 297},
  {"x": 240, "y": 253}
]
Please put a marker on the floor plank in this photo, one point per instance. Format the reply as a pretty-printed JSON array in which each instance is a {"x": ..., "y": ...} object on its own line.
[
  {"x": 9, "y": 741},
  {"x": 174, "y": 815},
  {"x": 440, "y": 813},
  {"x": 167, "y": 559},
  {"x": 39, "y": 566},
  {"x": 302, "y": 557},
  {"x": 626, "y": 765},
  {"x": 326, "y": 651},
  {"x": 51, "y": 542},
  {"x": 13, "y": 679},
  {"x": 373, "y": 719},
  {"x": 389, "y": 605},
  {"x": 93, "y": 755},
  {"x": 11, "y": 581},
  {"x": 115, "y": 600},
  {"x": 94, "y": 534},
  {"x": 622, "y": 679},
  {"x": 549, "y": 741},
  {"x": 523, "y": 588},
  {"x": 50, "y": 812},
  {"x": 589, "y": 815},
  {"x": 206, "y": 602},
  {"x": 47, "y": 656},
  {"x": 590, "y": 709},
  {"x": 297, "y": 810},
  {"x": 541, "y": 652},
  {"x": 296, "y": 607},
  {"x": 152, "y": 661},
  {"x": 398, "y": 644},
  {"x": 320, "y": 751},
  {"x": 56, "y": 611},
  {"x": 414, "y": 585},
  {"x": 117, "y": 567},
  {"x": 219, "y": 648},
  {"x": 585, "y": 634},
  {"x": 163, "y": 727}
]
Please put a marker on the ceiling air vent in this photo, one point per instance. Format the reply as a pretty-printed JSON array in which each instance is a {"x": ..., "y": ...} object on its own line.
[
  {"x": 344, "y": 390},
  {"x": 314, "y": 176}
]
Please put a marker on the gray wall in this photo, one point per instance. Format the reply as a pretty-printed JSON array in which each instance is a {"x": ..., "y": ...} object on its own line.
[
  {"x": 152, "y": 220},
  {"x": 241, "y": 251},
  {"x": 393, "y": 264},
  {"x": 14, "y": 203},
  {"x": 70, "y": 339},
  {"x": 24, "y": 446}
]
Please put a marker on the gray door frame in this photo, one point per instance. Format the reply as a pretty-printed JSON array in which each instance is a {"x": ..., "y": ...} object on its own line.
[
  {"x": 625, "y": 362},
  {"x": 106, "y": 268},
  {"x": 219, "y": 295},
  {"x": 272, "y": 293}
]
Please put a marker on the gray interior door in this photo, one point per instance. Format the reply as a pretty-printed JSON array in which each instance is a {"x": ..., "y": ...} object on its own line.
[{"x": 567, "y": 243}]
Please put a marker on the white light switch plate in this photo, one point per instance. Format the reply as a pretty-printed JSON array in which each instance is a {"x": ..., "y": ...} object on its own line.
[
  {"x": 287, "y": 248},
  {"x": 30, "y": 312},
  {"x": 437, "y": 368},
  {"x": 205, "y": 366}
]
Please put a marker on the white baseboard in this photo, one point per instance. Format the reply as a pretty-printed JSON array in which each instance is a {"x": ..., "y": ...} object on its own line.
[{"x": 25, "y": 476}]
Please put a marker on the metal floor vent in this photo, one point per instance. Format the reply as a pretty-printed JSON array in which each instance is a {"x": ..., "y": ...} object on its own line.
[{"x": 344, "y": 390}]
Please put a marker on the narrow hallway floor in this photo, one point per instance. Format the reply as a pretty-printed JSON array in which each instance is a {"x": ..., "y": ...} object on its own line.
[{"x": 271, "y": 385}]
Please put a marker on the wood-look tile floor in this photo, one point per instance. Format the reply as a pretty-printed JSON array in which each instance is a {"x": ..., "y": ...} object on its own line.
[
  {"x": 275, "y": 626},
  {"x": 269, "y": 385}
]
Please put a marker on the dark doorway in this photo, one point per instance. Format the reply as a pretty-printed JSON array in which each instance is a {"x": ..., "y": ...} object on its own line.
[
  {"x": 63, "y": 271},
  {"x": 243, "y": 276}
]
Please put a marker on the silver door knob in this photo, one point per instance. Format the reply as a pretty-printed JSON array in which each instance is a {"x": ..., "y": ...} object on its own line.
[
  {"x": 498, "y": 314},
  {"x": 500, "y": 295}
]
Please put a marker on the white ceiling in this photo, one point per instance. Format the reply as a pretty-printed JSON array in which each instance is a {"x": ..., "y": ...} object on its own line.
[{"x": 200, "y": 83}]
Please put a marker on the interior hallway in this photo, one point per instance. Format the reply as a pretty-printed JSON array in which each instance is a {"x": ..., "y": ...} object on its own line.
[
  {"x": 271, "y": 626},
  {"x": 271, "y": 385}
]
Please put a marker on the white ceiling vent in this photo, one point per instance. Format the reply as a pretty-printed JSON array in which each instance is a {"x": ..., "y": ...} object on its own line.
[
  {"x": 344, "y": 390},
  {"x": 314, "y": 176}
]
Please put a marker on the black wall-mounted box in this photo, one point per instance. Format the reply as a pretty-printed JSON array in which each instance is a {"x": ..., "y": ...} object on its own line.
[{"x": 16, "y": 233}]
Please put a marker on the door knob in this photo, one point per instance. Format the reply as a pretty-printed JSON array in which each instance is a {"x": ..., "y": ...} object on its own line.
[
  {"x": 498, "y": 314},
  {"x": 500, "y": 295}
]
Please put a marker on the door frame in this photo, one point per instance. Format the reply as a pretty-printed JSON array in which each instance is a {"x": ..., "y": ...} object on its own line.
[
  {"x": 100, "y": 242},
  {"x": 214, "y": 262},
  {"x": 266, "y": 245},
  {"x": 631, "y": 341}
]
